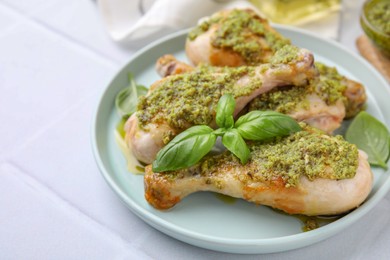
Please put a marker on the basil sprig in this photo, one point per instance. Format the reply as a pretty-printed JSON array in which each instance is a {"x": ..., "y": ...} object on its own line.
[
  {"x": 187, "y": 148},
  {"x": 371, "y": 136},
  {"x": 126, "y": 100}
]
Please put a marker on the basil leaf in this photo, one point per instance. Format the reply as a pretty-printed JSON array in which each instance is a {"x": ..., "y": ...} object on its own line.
[
  {"x": 233, "y": 141},
  {"x": 186, "y": 149},
  {"x": 260, "y": 125},
  {"x": 220, "y": 131},
  {"x": 371, "y": 136},
  {"x": 225, "y": 108},
  {"x": 126, "y": 100}
]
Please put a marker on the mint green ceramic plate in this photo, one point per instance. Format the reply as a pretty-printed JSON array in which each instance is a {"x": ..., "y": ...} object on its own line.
[{"x": 203, "y": 219}]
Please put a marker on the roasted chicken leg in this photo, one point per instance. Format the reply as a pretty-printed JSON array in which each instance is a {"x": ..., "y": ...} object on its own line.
[
  {"x": 323, "y": 103},
  {"x": 233, "y": 38},
  {"x": 178, "y": 102},
  {"x": 306, "y": 173}
]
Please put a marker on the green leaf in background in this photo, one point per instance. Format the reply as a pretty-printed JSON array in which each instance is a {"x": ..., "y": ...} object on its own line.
[
  {"x": 371, "y": 136},
  {"x": 261, "y": 125},
  {"x": 233, "y": 141},
  {"x": 186, "y": 149},
  {"x": 225, "y": 108},
  {"x": 126, "y": 100}
]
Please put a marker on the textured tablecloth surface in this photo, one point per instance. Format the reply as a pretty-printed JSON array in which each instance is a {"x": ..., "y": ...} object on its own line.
[{"x": 55, "y": 60}]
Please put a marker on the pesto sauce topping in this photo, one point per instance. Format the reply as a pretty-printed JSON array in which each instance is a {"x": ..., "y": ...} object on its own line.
[
  {"x": 379, "y": 16},
  {"x": 310, "y": 153},
  {"x": 285, "y": 55},
  {"x": 239, "y": 31},
  {"x": 313, "y": 155},
  {"x": 190, "y": 99},
  {"x": 329, "y": 88},
  {"x": 203, "y": 27},
  {"x": 283, "y": 99},
  {"x": 332, "y": 85}
]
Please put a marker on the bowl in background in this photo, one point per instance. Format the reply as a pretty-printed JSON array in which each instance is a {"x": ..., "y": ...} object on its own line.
[{"x": 375, "y": 22}]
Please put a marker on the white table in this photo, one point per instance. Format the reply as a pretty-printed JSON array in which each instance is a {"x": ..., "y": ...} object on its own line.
[{"x": 55, "y": 60}]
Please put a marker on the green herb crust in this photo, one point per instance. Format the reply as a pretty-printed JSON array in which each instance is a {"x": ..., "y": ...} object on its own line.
[
  {"x": 308, "y": 153},
  {"x": 332, "y": 85},
  {"x": 239, "y": 31},
  {"x": 191, "y": 99},
  {"x": 285, "y": 55}
]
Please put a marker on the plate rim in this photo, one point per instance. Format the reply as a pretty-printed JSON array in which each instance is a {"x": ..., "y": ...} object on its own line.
[{"x": 201, "y": 240}]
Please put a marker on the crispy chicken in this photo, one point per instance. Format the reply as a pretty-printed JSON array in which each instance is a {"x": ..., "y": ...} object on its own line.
[
  {"x": 178, "y": 102},
  {"x": 305, "y": 173}
]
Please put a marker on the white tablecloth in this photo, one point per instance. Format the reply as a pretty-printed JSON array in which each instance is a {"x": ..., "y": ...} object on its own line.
[{"x": 55, "y": 60}]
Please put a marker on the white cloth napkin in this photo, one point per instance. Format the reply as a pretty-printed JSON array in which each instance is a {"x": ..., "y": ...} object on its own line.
[{"x": 140, "y": 21}]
